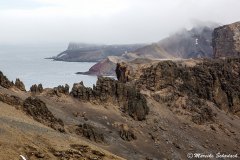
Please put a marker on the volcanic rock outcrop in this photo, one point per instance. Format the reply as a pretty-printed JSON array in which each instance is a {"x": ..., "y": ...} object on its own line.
[
  {"x": 108, "y": 90},
  {"x": 36, "y": 88},
  {"x": 90, "y": 132},
  {"x": 37, "y": 109},
  {"x": 20, "y": 85},
  {"x": 10, "y": 99},
  {"x": 79, "y": 152},
  {"x": 4, "y": 82},
  {"x": 187, "y": 106},
  {"x": 226, "y": 41},
  {"x": 126, "y": 133},
  {"x": 177, "y": 83},
  {"x": 61, "y": 90},
  {"x": 122, "y": 72}
]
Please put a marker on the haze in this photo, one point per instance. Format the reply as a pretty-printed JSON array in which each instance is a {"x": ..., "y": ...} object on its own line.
[{"x": 106, "y": 21}]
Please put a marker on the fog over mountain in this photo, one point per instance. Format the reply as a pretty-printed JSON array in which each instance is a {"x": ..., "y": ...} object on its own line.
[{"x": 107, "y": 21}]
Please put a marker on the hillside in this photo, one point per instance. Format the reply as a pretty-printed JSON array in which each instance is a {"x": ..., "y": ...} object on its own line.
[
  {"x": 153, "y": 51},
  {"x": 185, "y": 44},
  {"x": 105, "y": 67},
  {"x": 163, "y": 110},
  {"x": 29, "y": 129},
  {"x": 194, "y": 43},
  {"x": 154, "y": 109},
  {"x": 93, "y": 53}
]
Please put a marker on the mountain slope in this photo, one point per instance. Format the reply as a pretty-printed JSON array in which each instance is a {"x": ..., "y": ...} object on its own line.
[
  {"x": 105, "y": 67},
  {"x": 189, "y": 44},
  {"x": 194, "y": 43},
  {"x": 21, "y": 134},
  {"x": 93, "y": 53},
  {"x": 166, "y": 109},
  {"x": 153, "y": 51}
]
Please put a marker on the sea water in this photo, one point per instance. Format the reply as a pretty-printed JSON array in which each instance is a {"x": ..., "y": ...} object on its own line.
[{"x": 29, "y": 64}]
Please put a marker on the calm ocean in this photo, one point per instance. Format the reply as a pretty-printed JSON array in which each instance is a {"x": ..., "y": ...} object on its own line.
[{"x": 28, "y": 64}]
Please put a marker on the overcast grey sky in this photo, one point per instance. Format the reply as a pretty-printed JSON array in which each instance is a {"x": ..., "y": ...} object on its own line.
[{"x": 106, "y": 21}]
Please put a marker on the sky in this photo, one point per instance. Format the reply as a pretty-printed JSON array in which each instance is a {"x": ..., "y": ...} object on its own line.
[{"x": 106, "y": 21}]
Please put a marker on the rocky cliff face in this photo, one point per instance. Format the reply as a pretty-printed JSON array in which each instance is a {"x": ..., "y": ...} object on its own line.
[
  {"x": 6, "y": 83},
  {"x": 10, "y": 99},
  {"x": 122, "y": 72},
  {"x": 108, "y": 90},
  {"x": 189, "y": 86},
  {"x": 226, "y": 41}
]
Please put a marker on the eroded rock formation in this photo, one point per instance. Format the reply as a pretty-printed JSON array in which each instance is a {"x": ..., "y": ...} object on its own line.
[
  {"x": 10, "y": 99},
  {"x": 79, "y": 152},
  {"x": 20, "y": 85},
  {"x": 226, "y": 41},
  {"x": 122, "y": 72},
  {"x": 108, "y": 90},
  {"x": 90, "y": 133},
  {"x": 189, "y": 87},
  {"x": 37, "y": 109},
  {"x": 4, "y": 82},
  {"x": 36, "y": 88},
  {"x": 61, "y": 90}
]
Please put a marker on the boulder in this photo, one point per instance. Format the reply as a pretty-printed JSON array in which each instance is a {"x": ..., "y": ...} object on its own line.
[
  {"x": 81, "y": 92},
  {"x": 122, "y": 72},
  {"x": 136, "y": 105},
  {"x": 126, "y": 133}
]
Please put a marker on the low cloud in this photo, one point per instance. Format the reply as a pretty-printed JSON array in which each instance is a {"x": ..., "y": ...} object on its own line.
[{"x": 108, "y": 21}]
